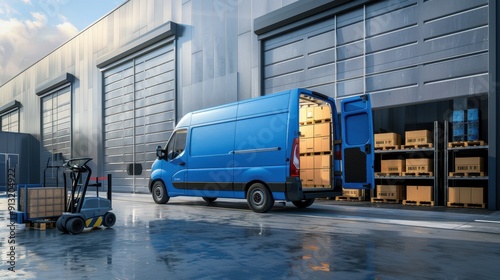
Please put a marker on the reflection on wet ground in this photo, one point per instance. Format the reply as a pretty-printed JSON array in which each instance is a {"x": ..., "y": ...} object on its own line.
[{"x": 186, "y": 239}]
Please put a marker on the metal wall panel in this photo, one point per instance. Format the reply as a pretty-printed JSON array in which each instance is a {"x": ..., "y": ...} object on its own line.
[
  {"x": 399, "y": 51},
  {"x": 306, "y": 55},
  {"x": 139, "y": 98}
]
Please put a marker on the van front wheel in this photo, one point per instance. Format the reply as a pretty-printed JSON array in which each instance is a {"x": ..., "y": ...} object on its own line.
[
  {"x": 259, "y": 198},
  {"x": 209, "y": 199},
  {"x": 159, "y": 192},
  {"x": 303, "y": 203}
]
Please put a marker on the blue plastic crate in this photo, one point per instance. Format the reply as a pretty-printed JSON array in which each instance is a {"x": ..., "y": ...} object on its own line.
[
  {"x": 472, "y": 128},
  {"x": 459, "y": 138},
  {"x": 458, "y": 116},
  {"x": 458, "y": 129},
  {"x": 473, "y": 131},
  {"x": 473, "y": 115},
  {"x": 472, "y": 137}
]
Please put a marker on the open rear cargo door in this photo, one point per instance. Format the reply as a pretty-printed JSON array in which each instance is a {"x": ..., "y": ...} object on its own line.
[{"x": 357, "y": 143}]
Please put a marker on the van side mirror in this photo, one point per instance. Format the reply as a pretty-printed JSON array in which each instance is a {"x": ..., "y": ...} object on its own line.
[{"x": 159, "y": 152}]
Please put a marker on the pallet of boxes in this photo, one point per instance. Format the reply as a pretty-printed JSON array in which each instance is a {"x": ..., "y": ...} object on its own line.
[
  {"x": 40, "y": 207},
  {"x": 405, "y": 167},
  {"x": 473, "y": 196},
  {"x": 389, "y": 168},
  {"x": 315, "y": 146},
  {"x": 387, "y": 141},
  {"x": 421, "y": 195},
  {"x": 465, "y": 134}
]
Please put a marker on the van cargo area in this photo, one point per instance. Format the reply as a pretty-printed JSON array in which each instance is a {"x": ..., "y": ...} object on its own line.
[{"x": 316, "y": 142}]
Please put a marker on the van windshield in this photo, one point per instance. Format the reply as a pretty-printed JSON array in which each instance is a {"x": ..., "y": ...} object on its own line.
[{"x": 177, "y": 144}]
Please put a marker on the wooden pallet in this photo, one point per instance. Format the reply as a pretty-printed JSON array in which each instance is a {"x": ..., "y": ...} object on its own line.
[
  {"x": 317, "y": 186},
  {"x": 349, "y": 198},
  {"x": 419, "y": 174},
  {"x": 388, "y": 174},
  {"x": 466, "y": 205},
  {"x": 466, "y": 144},
  {"x": 324, "y": 153},
  {"x": 385, "y": 200},
  {"x": 418, "y": 146},
  {"x": 41, "y": 225},
  {"x": 308, "y": 122},
  {"x": 467, "y": 174},
  {"x": 418, "y": 203},
  {"x": 323, "y": 121},
  {"x": 388, "y": 148}
]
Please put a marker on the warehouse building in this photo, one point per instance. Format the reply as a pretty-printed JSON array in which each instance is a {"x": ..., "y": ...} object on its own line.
[{"x": 115, "y": 91}]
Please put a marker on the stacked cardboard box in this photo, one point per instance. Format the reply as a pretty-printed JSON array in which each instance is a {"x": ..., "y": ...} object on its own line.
[
  {"x": 419, "y": 193},
  {"x": 416, "y": 137},
  {"x": 419, "y": 165},
  {"x": 393, "y": 165},
  {"x": 315, "y": 146},
  {"x": 469, "y": 164},
  {"x": 466, "y": 195},
  {"x": 314, "y": 113},
  {"x": 315, "y": 170},
  {"x": 390, "y": 192},
  {"x": 42, "y": 202},
  {"x": 352, "y": 192},
  {"x": 387, "y": 139}
]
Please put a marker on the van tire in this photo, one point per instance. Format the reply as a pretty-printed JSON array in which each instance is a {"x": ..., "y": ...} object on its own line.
[
  {"x": 209, "y": 199},
  {"x": 303, "y": 203},
  {"x": 159, "y": 192},
  {"x": 259, "y": 198}
]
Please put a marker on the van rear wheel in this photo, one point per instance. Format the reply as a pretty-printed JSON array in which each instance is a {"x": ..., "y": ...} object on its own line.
[
  {"x": 160, "y": 194},
  {"x": 259, "y": 198},
  {"x": 303, "y": 203},
  {"x": 209, "y": 199}
]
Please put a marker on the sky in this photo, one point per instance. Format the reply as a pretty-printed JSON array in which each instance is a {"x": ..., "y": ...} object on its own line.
[{"x": 31, "y": 29}]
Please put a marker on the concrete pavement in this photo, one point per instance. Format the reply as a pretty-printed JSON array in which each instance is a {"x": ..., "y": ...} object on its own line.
[{"x": 188, "y": 239}]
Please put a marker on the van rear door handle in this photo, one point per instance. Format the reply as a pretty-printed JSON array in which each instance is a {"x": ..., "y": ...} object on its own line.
[{"x": 182, "y": 163}]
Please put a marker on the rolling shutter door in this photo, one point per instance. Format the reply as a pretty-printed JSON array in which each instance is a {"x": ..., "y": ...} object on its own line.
[
  {"x": 301, "y": 58},
  {"x": 56, "y": 124},
  {"x": 56, "y": 133},
  {"x": 139, "y": 103}
]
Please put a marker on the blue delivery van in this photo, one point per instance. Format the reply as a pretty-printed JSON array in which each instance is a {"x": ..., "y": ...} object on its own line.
[{"x": 286, "y": 146}]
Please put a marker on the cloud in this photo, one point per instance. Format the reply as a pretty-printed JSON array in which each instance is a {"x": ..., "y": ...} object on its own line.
[
  {"x": 6, "y": 9},
  {"x": 67, "y": 28},
  {"x": 22, "y": 43}
]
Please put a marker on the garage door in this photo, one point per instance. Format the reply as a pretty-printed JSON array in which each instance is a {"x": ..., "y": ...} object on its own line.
[
  {"x": 139, "y": 104},
  {"x": 56, "y": 133},
  {"x": 402, "y": 52},
  {"x": 301, "y": 58}
]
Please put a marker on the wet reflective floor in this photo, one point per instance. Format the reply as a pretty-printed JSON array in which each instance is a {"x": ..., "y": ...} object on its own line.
[{"x": 188, "y": 239}]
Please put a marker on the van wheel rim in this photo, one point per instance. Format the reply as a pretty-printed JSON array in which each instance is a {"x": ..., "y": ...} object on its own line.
[
  {"x": 257, "y": 197},
  {"x": 158, "y": 193}
]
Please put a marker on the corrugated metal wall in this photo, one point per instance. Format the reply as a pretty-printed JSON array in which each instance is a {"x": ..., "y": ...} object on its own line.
[{"x": 402, "y": 52}]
